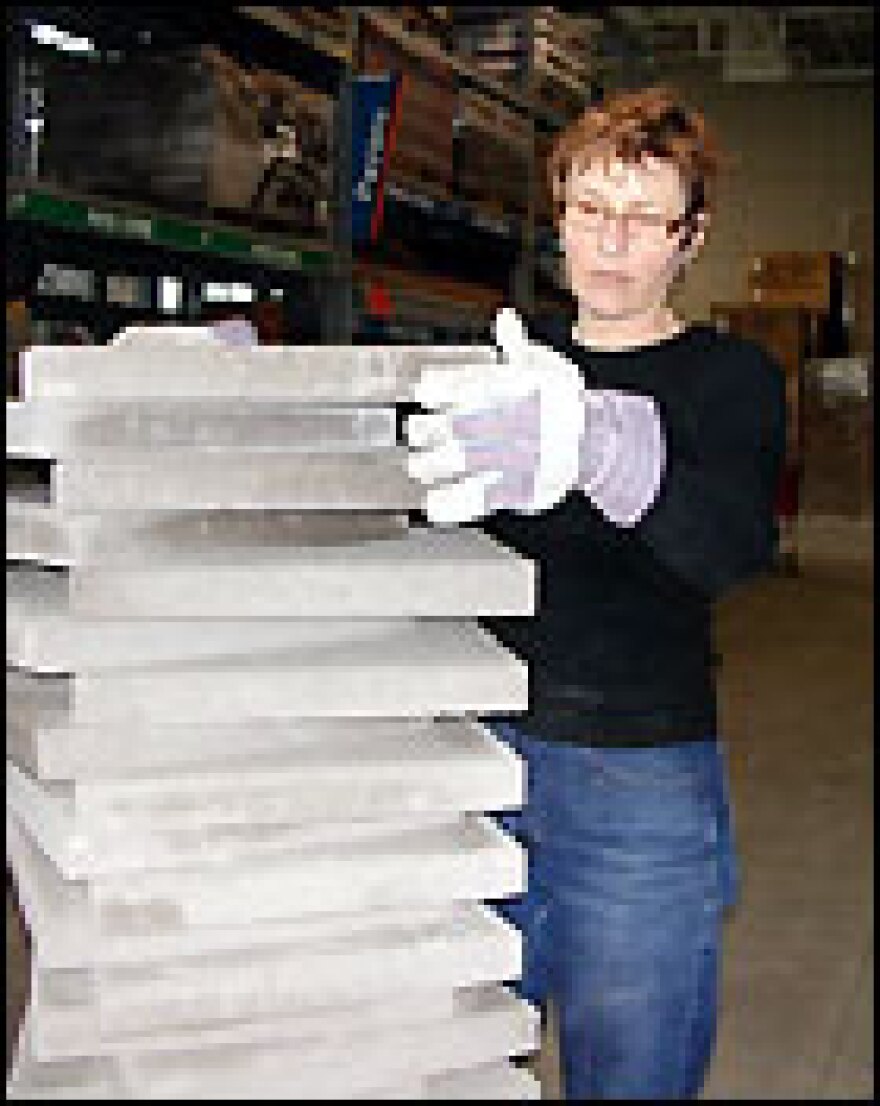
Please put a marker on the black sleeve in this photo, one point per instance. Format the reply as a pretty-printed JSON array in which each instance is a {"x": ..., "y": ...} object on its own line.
[{"x": 713, "y": 522}]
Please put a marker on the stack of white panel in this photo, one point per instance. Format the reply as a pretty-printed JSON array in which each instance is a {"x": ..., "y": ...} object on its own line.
[{"x": 247, "y": 795}]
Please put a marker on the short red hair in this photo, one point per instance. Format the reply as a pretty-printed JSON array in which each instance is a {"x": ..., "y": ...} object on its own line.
[{"x": 634, "y": 123}]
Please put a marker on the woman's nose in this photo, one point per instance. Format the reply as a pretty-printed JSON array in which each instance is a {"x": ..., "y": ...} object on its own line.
[{"x": 612, "y": 237}]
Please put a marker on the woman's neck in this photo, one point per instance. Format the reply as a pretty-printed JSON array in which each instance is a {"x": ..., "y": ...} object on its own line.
[{"x": 639, "y": 330}]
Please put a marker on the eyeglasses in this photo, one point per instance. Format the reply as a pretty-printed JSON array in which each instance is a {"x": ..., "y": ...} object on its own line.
[{"x": 638, "y": 226}]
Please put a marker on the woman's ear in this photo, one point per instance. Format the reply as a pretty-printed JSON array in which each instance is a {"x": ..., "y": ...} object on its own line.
[
  {"x": 698, "y": 238},
  {"x": 685, "y": 254}
]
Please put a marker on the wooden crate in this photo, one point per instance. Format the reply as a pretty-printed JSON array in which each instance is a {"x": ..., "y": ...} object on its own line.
[{"x": 796, "y": 278}]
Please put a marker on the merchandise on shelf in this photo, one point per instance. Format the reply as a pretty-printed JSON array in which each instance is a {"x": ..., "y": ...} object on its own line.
[
  {"x": 839, "y": 436},
  {"x": 330, "y": 23},
  {"x": 796, "y": 278},
  {"x": 494, "y": 41},
  {"x": 413, "y": 307},
  {"x": 421, "y": 153},
  {"x": 816, "y": 280},
  {"x": 492, "y": 153},
  {"x": 564, "y": 58},
  {"x": 193, "y": 129},
  {"x": 67, "y": 280},
  {"x": 430, "y": 22}
]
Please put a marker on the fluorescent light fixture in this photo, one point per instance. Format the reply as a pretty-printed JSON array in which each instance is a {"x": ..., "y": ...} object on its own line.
[
  {"x": 213, "y": 292},
  {"x": 170, "y": 294},
  {"x": 48, "y": 35}
]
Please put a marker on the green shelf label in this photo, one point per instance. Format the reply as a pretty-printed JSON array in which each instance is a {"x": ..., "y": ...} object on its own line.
[{"x": 161, "y": 230}]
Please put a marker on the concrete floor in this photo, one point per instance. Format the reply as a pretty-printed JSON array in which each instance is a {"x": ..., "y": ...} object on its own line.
[{"x": 797, "y": 1006}]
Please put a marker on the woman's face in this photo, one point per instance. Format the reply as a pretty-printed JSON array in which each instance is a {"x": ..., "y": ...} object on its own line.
[{"x": 619, "y": 256}]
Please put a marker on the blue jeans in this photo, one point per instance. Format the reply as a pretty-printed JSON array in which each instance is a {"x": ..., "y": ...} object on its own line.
[{"x": 631, "y": 864}]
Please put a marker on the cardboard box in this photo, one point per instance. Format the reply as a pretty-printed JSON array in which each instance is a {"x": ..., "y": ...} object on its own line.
[
  {"x": 808, "y": 279},
  {"x": 817, "y": 280}
]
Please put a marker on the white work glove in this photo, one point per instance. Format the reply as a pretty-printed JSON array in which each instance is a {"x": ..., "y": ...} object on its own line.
[
  {"x": 236, "y": 332},
  {"x": 510, "y": 434}
]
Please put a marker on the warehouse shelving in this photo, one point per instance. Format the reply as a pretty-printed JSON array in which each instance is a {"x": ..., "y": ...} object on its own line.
[
  {"x": 60, "y": 208},
  {"x": 199, "y": 242}
]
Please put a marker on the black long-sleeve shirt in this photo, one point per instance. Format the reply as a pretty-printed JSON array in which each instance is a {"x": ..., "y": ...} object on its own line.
[{"x": 620, "y": 651}]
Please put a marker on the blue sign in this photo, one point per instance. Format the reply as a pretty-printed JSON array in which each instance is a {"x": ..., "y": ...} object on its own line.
[{"x": 375, "y": 112}]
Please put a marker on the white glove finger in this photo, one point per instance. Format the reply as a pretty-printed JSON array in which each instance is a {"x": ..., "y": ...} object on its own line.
[
  {"x": 427, "y": 430},
  {"x": 441, "y": 463},
  {"x": 461, "y": 501},
  {"x": 470, "y": 388},
  {"x": 438, "y": 388},
  {"x": 509, "y": 332}
]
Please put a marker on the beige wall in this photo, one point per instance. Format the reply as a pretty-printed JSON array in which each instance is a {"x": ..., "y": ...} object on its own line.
[{"x": 803, "y": 178}]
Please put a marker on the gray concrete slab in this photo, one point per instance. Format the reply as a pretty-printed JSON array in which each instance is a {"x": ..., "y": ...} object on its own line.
[
  {"x": 490, "y": 1027},
  {"x": 184, "y": 479},
  {"x": 412, "y": 967},
  {"x": 425, "y": 669},
  {"x": 164, "y": 362},
  {"x": 419, "y": 574},
  {"x": 67, "y": 1020},
  {"x": 39, "y": 532},
  {"x": 42, "y": 641},
  {"x": 94, "y": 1078},
  {"x": 39, "y": 741},
  {"x": 492, "y": 1082},
  {"x": 423, "y": 866},
  {"x": 492, "y": 1031},
  {"x": 71, "y": 932},
  {"x": 85, "y": 834},
  {"x": 58, "y": 428},
  {"x": 315, "y": 771}
]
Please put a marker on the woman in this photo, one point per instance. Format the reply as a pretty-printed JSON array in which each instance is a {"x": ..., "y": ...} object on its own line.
[{"x": 636, "y": 460}]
